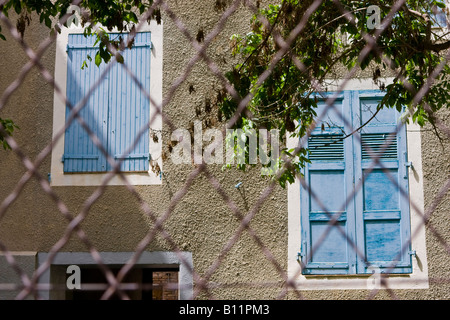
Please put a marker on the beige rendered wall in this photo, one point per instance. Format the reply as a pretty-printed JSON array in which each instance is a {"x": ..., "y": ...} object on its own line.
[
  {"x": 201, "y": 223},
  {"x": 436, "y": 164}
]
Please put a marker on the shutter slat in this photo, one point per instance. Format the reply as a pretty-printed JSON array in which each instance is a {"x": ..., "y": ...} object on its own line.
[
  {"x": 330, "y": 147},
  {"x": 378, "y": 145}
]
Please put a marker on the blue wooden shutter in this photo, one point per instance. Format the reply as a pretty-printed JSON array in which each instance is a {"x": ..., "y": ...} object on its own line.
[
  {"x": 327, "y": 248},
  {"x": 116, "y": 111},
  {"x": 376, "y": 218},
  {"x": 382, "y": 206},
  {"x": 80, "y": 153},
  {"x": 129, "y": 106}
]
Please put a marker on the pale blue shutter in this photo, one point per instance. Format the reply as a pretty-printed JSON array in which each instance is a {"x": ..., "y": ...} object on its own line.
[
  {"x": 327, "y": 248},
  {"x": 129, "y": 106},
  {"x": 80, "y": 153},
  {"x": 382, "y": 205},
  {"x": 116, "y": 111},
  {"x": 373, "y": 228}
]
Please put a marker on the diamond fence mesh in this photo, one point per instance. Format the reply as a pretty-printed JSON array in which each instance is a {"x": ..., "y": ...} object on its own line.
[{"x": 121, "y": 280}]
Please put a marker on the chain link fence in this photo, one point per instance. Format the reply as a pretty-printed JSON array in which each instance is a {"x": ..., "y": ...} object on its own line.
[{"x": 163, "y": 283}]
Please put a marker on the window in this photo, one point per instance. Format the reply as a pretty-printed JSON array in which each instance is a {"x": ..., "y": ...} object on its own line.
[
  {"x": 154, "y": 284},
  {"x": 368, "y": 201},
  {"x": 117, "y": 110},
  {"x": 160, "y": 275},
  {"x": 356, "y": 106}
]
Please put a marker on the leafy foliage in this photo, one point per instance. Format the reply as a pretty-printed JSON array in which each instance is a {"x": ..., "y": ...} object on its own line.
[
  {"x": 9, "y": 127},
  {"x": 409, "y": 46},
  {"x": 120, "y": 15}
]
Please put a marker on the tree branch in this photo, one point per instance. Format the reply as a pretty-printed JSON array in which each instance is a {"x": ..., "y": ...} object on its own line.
[
  {"x": 437, "y": 46},
  {"x": 424, "y": 16}
]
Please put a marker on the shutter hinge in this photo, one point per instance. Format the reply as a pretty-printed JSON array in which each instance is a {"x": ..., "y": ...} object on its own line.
[
  {"x": 408, "y": 164},
  {"x": 412, "y": 253},
  {"x": 302, "y": 252},
  {"x": 49, "y": 177}
]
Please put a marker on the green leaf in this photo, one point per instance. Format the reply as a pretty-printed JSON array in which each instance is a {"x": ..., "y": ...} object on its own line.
[
  {"x": 98, "y": 59},
  {"x": 18, "y": 7},
  {"x": 48, "y": 22},
  {"x": 104, "y": 54},
  {"x": 132, "y": 17}
]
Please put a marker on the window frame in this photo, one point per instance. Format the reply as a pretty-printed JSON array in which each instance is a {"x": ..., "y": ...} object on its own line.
[
  {"x": 418, "y": 279},
  {"x": 57, "y": 176}
]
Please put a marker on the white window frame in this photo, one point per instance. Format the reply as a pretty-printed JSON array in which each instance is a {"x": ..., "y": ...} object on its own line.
[
  {"x": 418, "y": 279},
  {"x": 57, "y": 175}
]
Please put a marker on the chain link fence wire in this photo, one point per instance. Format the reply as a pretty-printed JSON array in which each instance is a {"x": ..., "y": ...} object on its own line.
[{"x": 203, "y": 283}]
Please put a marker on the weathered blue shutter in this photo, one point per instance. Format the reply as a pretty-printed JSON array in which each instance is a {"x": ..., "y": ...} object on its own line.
[
  {"x": 382, "y": 205},
  {"x": 80, "y": 153},
  {"x": 373, "y": 227},
  {"x": 116, "y": 111},
  {"x": 326, "y": 247},
  {"x": 130, "y": 107}
]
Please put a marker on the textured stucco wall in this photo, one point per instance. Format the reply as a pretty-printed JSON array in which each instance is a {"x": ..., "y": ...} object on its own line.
[
  {"x": 201, "y": 222},
  {"x": 436, "y": 160},
  {"x": 26, "y": 261}
]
